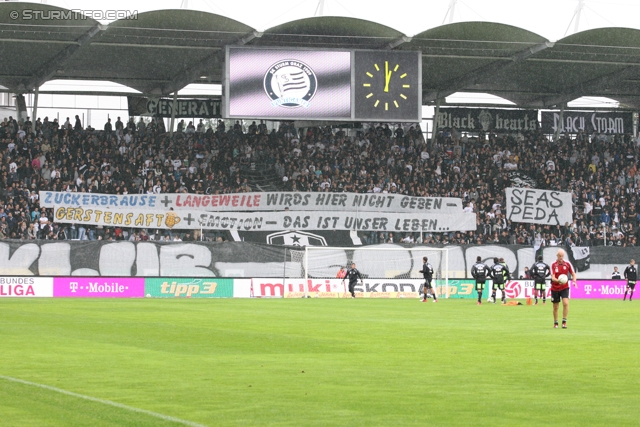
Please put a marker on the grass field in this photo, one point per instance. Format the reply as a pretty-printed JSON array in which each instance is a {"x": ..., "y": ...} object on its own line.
[{"x": 312, "y": 362}]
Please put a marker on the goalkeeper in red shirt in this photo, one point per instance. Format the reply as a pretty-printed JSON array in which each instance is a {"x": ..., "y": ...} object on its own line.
[{"x": 560, "y": 291}]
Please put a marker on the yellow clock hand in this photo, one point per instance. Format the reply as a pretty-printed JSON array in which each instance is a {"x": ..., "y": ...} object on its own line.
[{"x": 387, "y": 76}]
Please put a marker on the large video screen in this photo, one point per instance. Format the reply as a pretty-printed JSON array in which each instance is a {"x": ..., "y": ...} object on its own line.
[
  {"x": 282, "y": 84},
  {"x": 356, "y": 85}
]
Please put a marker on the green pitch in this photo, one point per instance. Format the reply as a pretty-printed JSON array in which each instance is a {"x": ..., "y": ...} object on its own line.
[{"x": 313, "y": 362}]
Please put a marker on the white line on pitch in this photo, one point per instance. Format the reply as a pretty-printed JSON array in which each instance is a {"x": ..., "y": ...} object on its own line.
[{"x": 105, "y": 402}]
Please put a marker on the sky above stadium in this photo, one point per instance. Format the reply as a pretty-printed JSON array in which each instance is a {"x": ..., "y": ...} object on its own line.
[{"x": 552, "y": 19}]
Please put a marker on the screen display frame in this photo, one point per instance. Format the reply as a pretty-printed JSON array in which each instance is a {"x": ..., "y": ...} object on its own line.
[
  {"x": 227, "y": 87},
  {"x": 351, "y": 117}
]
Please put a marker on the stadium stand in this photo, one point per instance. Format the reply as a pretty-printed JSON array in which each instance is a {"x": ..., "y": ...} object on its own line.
[
  {"x": 481, "y": 57},
  {"x": 124, "y": 158}
]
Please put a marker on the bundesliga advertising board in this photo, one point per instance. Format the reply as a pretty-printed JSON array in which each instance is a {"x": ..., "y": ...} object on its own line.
[{"x": 26, "y": 286}]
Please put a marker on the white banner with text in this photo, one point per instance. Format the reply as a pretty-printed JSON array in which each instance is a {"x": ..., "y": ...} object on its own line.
[
  {"x": 195, "y": 220},
  {"x": 267, "y": 201},
  {"x": 537, "y": 206}
]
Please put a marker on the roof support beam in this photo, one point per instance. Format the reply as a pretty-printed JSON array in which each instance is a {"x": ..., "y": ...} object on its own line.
[
  {"x": 48, "y": 69},
  {"x": 156, "y": 46},
  {"x": 107, "y": 93},
  {"x": 590, "y": 87},
  {"x": 480, "y": 74},
  {"x": 249, "y": 37},
  {"x": 188, "y": 75},
  {"x": 200, "y": 68},
  {"x": 66, "y": 42},
  {"x": 397, "y": 42}
]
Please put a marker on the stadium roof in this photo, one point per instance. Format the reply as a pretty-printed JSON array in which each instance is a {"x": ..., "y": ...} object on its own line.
[{"x": 162, "y": 51}]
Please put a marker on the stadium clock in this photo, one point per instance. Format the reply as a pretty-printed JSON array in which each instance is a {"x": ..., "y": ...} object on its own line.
[
  {"x": 380, "y": 86},
  {"x": 387, "y": 86}
]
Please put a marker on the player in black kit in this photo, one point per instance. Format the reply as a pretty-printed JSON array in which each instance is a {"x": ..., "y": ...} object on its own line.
[
  {"x": 500, "y": 274},
  {"x": 631, "y": 274},
  {"x": 539, "y": 272},
  {"x": 480, "y": 271},
  {"x": 353, "y": 275},
  {"x": 427, "y": 272}
]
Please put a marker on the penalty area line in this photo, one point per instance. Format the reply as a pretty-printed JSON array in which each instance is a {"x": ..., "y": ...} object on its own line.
[{"x": 105, "y": 402}]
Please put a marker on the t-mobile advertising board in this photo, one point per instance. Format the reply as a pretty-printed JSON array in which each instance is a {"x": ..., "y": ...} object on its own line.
[
  {"x": 98, "y": 287},
  {"x": 21, "y": 286},
  {"x": 597, "y": 289},
  {"x": 587, "y": 289}
]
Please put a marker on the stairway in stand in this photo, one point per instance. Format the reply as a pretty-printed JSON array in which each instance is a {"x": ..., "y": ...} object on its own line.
[{"x": 263, "y": 180}]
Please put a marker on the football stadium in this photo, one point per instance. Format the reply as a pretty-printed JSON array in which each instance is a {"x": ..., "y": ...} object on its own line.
[{"x": 327, "y": 219}]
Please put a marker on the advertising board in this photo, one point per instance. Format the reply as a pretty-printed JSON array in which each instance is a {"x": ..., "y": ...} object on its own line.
[
  {"x": 181, "y": 287},
  {"x": 98, "y": 287},
  {"x": 599, "y": 289},
  {"x": 334, "y": 288},
  {"x": 26, "y": 286}
]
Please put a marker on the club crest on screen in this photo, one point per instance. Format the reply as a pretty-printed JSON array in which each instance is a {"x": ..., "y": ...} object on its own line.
[{"x": 290, "y": 84}]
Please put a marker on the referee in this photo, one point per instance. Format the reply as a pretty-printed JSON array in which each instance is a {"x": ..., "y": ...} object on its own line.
[{"x": 631, "y": 274}]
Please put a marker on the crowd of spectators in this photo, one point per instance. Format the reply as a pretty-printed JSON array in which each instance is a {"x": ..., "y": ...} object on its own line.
[
  {"x": 141, "y": 157},
  {"x": 599, "y": 170}
]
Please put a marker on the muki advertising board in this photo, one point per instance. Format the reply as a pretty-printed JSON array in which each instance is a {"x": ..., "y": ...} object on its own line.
[{"x": 335, "y": 288}]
